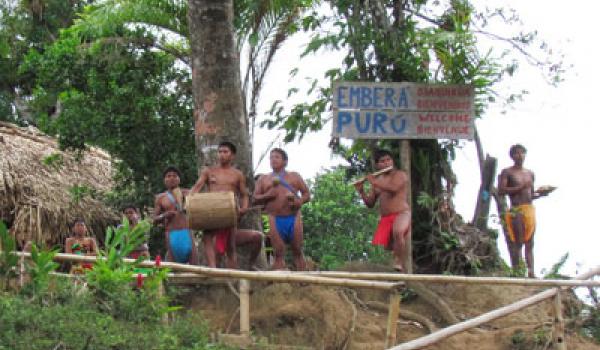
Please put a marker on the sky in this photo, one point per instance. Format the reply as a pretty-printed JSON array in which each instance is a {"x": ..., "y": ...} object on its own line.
[{"x": 556, "y": 124}]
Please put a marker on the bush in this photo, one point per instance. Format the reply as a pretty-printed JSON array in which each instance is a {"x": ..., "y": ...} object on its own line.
[
  {"x": 337, "y": 225},
  {"x": 8, "y": 260},
  {"x": 78, "y": 324},
  {"x": 52, "y": 312}
]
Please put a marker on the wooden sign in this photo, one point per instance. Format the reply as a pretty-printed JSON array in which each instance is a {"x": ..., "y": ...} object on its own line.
[{"x": 402, "y": 111}]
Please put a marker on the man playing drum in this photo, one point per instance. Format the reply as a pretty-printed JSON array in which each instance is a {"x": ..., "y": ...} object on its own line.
[
  {"x": 390, "y": 189},
  {"x": 278, "y": 191},
  {"x": 168, "y": 211},
  {"x": 225, "y": 178}
]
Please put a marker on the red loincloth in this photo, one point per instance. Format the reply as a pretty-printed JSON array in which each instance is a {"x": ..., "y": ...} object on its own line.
[
  {"x": 222, "y": 240},
  {"x": 384, "y": 230}
]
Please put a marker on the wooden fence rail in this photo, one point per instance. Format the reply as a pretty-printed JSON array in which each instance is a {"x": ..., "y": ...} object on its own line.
[
  {"x": 442, "y": 334},
  {"x": 378, "y": 276},
  {"x": 381, "y": 281},
  {"x": 283, "y": 277}
]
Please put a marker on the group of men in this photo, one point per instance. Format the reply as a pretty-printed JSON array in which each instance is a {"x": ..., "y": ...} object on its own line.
[{"x": 281, "y": 194}]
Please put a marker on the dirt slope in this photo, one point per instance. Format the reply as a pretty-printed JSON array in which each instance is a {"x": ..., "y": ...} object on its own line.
[{"x": 340, "y": 318}]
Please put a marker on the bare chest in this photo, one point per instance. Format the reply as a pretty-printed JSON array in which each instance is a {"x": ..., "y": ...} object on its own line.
[
  {"x": 519, "y": 177},
  {"x": 219, "y": 180}
]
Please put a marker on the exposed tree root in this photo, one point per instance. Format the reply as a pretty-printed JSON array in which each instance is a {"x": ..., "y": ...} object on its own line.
[
  {"x": 435, "y": 301},
  {"x": 405, "y": 314},
  {"x": 348, "y": 339}
]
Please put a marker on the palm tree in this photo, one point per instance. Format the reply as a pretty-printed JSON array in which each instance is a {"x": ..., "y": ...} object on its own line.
[{"x": 259, "y": 28}]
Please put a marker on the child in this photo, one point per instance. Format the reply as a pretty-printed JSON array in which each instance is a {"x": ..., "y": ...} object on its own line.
[{"x": 79, "y": 243}]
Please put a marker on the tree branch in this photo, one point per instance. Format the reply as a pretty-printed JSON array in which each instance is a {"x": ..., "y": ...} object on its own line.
[{"x": 512, "y": 43}]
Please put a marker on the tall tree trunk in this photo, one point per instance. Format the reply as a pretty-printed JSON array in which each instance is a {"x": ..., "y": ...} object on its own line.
[
  {"x": 218, "y": 105},
  {"x": 219, "y": 113}
]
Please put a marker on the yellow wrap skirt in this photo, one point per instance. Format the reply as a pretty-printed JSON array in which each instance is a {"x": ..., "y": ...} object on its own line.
[{"x": 527, "y": 212}]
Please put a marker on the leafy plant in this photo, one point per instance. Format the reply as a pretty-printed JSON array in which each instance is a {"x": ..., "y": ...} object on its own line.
[
  {"x": 8, "y": 258},
  {"x": 54, "y": 161},
  {"x": 39, "y": 268},
  {"x": 449, "y": 240},
  {"x": 111, "y": 278},
  {"x": 591, "y": 317},
  {"x": 554, "y": 272},
  {"x": 76, "y": 323},
  {"x": 78, "y": 192}
]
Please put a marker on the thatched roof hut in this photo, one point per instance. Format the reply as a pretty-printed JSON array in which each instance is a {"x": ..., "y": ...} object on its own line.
[{"x": 43, "y": 189}]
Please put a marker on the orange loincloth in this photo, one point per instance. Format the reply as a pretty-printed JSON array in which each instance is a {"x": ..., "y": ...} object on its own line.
[{"x": 527, "y": 211}]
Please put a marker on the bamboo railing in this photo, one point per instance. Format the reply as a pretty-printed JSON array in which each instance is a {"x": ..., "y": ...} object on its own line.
[
  {"x": 380, "y": 281},
  {"x": 281, "y": 277},
  {"x": 442, "y": 334},
  {"x": 454, "y": 279}
]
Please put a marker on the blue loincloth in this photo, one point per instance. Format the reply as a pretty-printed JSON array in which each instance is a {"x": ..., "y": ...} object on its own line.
[
  {"x": 180, "y": 244},
  {"x": 285, "y": 227}
]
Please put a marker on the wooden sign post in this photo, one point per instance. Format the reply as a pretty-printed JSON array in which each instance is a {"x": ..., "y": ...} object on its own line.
[{"x": 369, "y": 110}]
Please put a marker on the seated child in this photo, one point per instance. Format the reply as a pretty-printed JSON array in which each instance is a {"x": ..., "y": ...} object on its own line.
[{"x": 81, "y": 244}]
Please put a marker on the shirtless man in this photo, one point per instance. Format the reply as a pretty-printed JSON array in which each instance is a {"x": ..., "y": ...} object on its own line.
[
  {"x": 278, "y": 191},
  {"x": 168, "y": 211},
  {"x": 225, "y": 178},
  {"x": 517, "y": 183},
  {"x": 132, "y": 214},
  {"x": 390, "y": 188},
  {"x": 79, "y": 243}
]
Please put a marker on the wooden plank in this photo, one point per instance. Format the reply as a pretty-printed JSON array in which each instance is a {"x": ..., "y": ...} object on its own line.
[
  {"x": 245, "y": 307},
  {"x": 392, "y": 321},
  {"x": 442, "y": 334},
  {"x": 235, "y": 340},
  {"x": 402, "y": 96},
  {"x": 273, "y": 276},
  {"x": 402, "y": 110},
  {"x": 558, "y": 335},
  {"x": 382, "y": 276},
  {"x": 379, "y": 124}
]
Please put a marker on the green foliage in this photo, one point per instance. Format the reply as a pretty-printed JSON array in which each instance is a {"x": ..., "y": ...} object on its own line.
[
  {"x": 426, "y": 201},
  {"x": 517, "y": 271},
  {"x": 122, "y": 96},
  {"x": 54, "y": 161},
  {"x": 66, "y": 315},
  {"x": 554, "y": 272},
  {"x": 540, "y": 339},
  {"x": 8, "y": 260},
  {"x": 77, "y": 324},
  {"x": 439, "y": 246},
  {"x": 26, "y": 25},
  {"x": 78, "y": 192},
  {"x": 518, "y": 340},
  {"x": 591, "y": 317},
  {"x": 111, "y": 278},
  {"x": 119, "y": 77},
  {"x": 420, "y": 41},
  {"x": 337, "y": 226},
  {"x": 39, "y": 269}
]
